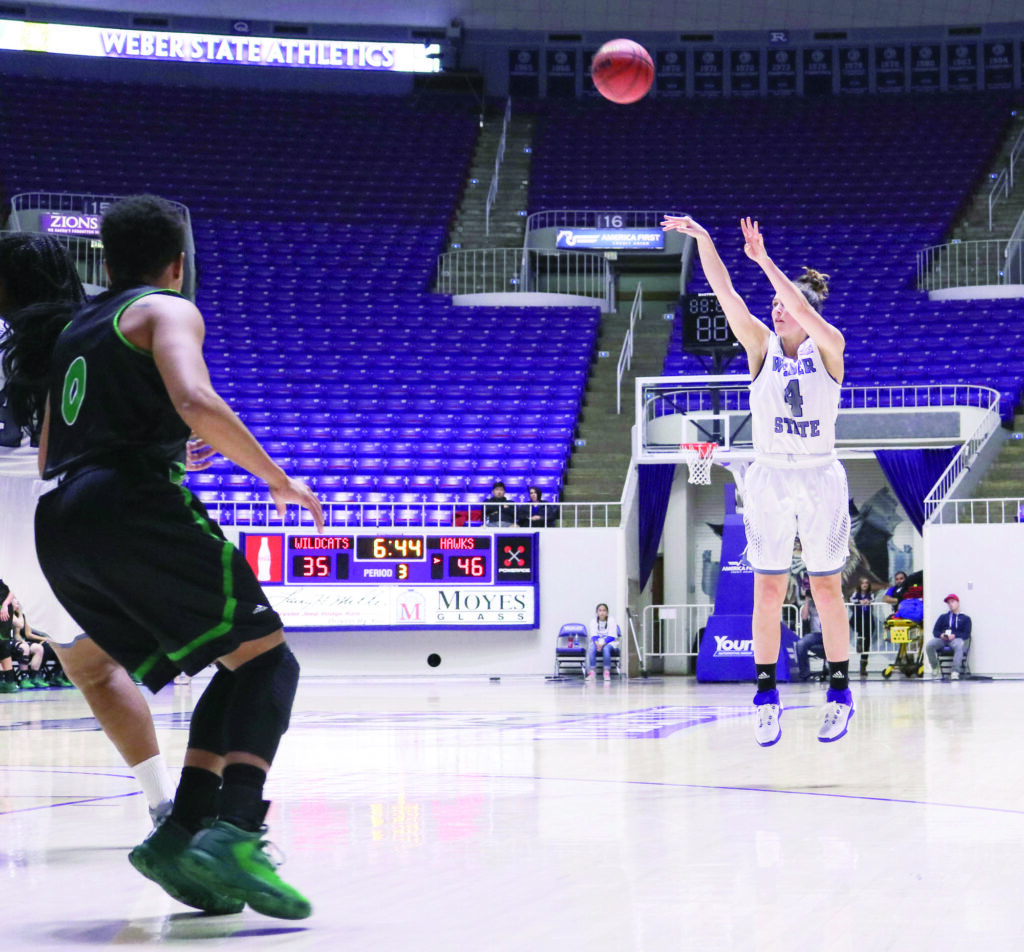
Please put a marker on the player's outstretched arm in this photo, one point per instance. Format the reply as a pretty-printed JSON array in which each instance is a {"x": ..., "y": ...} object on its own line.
[
  {"x": 172, "y": 328},
  {"x": 750, "y": 332},
  {"x": 829, "y": 339}
]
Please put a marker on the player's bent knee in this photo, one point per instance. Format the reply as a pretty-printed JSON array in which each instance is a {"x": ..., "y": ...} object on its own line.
[{"x": 261, "y": 707}]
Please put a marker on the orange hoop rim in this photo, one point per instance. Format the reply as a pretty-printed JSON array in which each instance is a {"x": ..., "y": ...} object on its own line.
[{"x": 703, "y": 450}]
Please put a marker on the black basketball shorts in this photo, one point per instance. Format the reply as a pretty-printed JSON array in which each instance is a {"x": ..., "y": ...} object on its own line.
[{"x": 138, "y": 563}]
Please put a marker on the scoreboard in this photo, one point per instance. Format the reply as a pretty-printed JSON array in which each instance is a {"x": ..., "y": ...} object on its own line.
[{"x": 398, "y": 580}]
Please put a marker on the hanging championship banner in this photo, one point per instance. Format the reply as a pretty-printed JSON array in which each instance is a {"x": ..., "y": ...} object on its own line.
[
  {"x": 561, "y": 74},
  {"x": 524, "y": 73},
  {"x": 999, "y": 65},
  {"x": 925, "y": 67},
  {"x": 890, "y": 69},
  {"x": 670, "y": 72},
  {"x": 853, "y": 69},
  {"x": 781, "y": 72},
  {"x": 962, "y": 66},
  {"x": 817, "y": 67},
  {"x": 708, "y": 72},
  {"x": 745, "y": 72}
]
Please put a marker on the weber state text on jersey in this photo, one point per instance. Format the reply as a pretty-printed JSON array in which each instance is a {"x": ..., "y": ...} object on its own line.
[{"x": 794, "y": 402}]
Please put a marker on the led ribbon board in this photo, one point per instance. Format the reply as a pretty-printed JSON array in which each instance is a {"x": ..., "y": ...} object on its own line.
[{"x": 22, "y": 36}]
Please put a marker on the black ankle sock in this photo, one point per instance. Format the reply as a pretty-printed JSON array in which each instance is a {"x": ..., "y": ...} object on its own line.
[
  {"x": 11, "y": 675},
  {"x": 196, "y": 798},
  {"x": 241, "y": 797},
  {"x": 765, "y": 677},
  {"x": 839, "y": 675}
]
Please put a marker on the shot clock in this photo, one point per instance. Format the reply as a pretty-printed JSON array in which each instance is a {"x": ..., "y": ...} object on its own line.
[{"x": 705, "y": 327}]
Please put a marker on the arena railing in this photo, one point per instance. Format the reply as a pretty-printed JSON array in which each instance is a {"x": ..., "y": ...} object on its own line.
[
  {"x": 87, "y": 250},
  {"x": 492, "y": 191},
  {"x": 935, "y": 503},
  {"x": 636, "y": 312},
  {"x": 674, "y": 631},
  {"x": 519, "y": 271},
  {"x": 962, "y": 264},
  {"x": 979, "y": 511},
  {"x": 591, "y": 218},
  {"x": 466, "y": 513},
  {"x": 1004, "y": 181},
  {"x": 715, "y": 398}
]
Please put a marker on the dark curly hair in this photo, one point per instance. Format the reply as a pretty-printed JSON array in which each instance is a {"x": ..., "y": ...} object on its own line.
[
  {"x": 813, "y": 285},
  {"x": 142, "y": 235},
  {"x": 42, "y": 289}
]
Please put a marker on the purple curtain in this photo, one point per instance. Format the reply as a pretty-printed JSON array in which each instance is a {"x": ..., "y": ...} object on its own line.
[
  {"x": 655, "y": 487},
  {"x": 912, "y": 473}
]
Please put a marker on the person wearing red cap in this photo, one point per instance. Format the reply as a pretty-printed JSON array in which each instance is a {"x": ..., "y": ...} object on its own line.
[{"x": 952, "y": 629}]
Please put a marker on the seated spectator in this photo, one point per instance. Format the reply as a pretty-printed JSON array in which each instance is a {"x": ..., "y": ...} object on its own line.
[
  {"x": 35, "y": 651},
  {"x": 538, "y": 513},
  {"x": 603, "y": 636},
  {"x": 811, "y": 639},
  {"x": 951, "y": 629},
  {"x": 499, "y": 515},
  {"x": 896, "y": 592}
]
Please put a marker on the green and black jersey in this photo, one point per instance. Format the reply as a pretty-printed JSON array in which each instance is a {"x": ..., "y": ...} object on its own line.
[{"x": 107, "y": 399}]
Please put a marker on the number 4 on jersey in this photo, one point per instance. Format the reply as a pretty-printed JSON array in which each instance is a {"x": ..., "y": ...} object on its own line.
[{"x": 793, "y": 398}]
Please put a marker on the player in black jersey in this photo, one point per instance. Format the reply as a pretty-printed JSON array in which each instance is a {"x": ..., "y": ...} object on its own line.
[{"x": 134, "y": 558}]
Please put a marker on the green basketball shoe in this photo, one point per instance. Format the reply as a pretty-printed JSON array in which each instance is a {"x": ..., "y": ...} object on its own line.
[
  {"x": 158, "y": 857},
  {"x": 234, "y": 862}
]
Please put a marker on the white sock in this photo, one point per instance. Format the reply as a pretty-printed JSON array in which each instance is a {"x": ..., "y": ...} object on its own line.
[{"x": 155, "y": 780}]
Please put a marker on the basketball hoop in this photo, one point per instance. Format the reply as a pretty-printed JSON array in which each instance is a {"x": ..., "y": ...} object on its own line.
[{"x": 699, "y": 457}]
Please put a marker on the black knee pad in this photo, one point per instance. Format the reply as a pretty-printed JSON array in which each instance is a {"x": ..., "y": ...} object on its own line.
[
  {"x": 5, "y": 650},
  {"x": 207, "y": 730},
  {"x": 262, "y": 704}
]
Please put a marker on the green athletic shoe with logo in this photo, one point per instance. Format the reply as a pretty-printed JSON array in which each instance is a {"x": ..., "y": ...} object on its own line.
[
  {"x": 159, "y": 858},
  {"x": 9, "y": 687},
  {"x": 234, "y": 862}
]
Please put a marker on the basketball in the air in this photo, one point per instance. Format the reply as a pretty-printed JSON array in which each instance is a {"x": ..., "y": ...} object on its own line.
[{"x": 622, "y": 71}]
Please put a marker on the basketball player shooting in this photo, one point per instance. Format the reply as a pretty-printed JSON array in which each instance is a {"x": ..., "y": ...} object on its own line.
[{"x": 796, "y": 485}]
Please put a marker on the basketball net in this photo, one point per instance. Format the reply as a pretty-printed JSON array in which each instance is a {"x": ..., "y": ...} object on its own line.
[{"x": 699, "y": 457}]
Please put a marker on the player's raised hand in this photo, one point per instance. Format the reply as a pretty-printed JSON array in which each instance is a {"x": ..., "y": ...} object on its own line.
[
  {"x": 684, "y": 224},
  {"x": 198, "y": 454},
  {"x": 753, "y": 246},
  {"x": 297, "y": 492}
]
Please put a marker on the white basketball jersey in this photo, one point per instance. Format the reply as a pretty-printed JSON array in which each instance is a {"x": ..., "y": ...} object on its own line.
[{"x": 794, "y": 402}]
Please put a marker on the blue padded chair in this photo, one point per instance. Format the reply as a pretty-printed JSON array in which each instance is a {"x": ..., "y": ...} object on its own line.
[{"x": 571, "y": 649}]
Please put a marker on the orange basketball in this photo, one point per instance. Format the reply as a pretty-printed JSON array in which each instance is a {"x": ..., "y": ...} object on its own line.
[{"x": 622, "y": 71}]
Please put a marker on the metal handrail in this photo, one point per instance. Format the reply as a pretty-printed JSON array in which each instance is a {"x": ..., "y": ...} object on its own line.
[
  {"x": 961, "y": 462},
  {"x": 959, "y": 264},
  {"x": 87, "y": 250},
  {"x": 630, "y": 619},
  {"x": 515, "y": 270},
  {"x": 590, "y": 218},
  {"x": 462, "y": 513},
  {"x": 636, "y": 312},
  {"x": 1008, "y": 509},
  {"x": 1000, "y": 184},
  {"x": 492, "y": 191}
]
